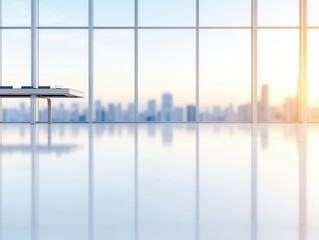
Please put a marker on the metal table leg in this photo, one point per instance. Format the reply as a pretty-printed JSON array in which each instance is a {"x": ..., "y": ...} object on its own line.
[
  {"x": 32, "y": 109},
  {"x": 49, "y": 111}
]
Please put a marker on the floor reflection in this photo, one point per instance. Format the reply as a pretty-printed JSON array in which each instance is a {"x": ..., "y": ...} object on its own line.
[
  {"x": 157, "y": 181},
  {"x": 48, "y": 147}
]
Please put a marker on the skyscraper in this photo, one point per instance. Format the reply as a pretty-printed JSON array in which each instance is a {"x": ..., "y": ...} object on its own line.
[
  {"x": 62, "y": 114},
  {"x": 264, "y": 113},
  {"x": 243, "y": 113},
  {"x": 178, "y": 114},
  {"x": 75, "y": 112},
  {"x": 229, "y": 113},
  {"x": 111, "y": 113},
  {"x": 130, "y": 112},
  {"x": 151, "y": 110},
  {"x": 217, "y": 114},
  {"x": 118, "y": 113},
  {"x": 98, "y": 111},
  {"x": 290, "y": 109},
  {"x": 191, "y": 113},
  {"x": 167, "y": 107}
]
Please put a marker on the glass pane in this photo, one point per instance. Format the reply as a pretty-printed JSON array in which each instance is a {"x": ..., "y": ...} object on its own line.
[
  {"x": 114, "y": 182},
  {"x": 278, "y": 75},
  {"x": 312, "y": 12},
  {"x": 16, "y": 72},
  {"x": 167, "y": 13},
  {"x": 63, "y": 13},
  {"x": 16, "y": 12},
  {"x": 167, "y": 75},
  {"x": 166, "y": 182},
  {"x": 278, "y": 13},
  {"x": 313, "y": 75},
  {"x": 114, "y": 13},
  {"x": 224, "y": 175},
  {"x": 114, "y": 75},
  {"x": 225, "y": 75},
  {"x": 225, "y": 13},
  {"x": 63, "y": 63}
]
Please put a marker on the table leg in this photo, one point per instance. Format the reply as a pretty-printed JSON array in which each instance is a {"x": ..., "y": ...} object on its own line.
[
  {"x": 32, "y": 109},
  {"x": 49, "y": 111}
]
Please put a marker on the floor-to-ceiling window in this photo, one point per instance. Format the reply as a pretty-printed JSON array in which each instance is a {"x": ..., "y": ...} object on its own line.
[
  {"x": 15, "y": 55},
  {"x": 224, "y": 61},
  {"x": 165, "y": 61},
  {"x": 278, "y": 60}
]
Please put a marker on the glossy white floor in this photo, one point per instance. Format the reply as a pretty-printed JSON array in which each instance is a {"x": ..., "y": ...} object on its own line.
[{"x": 160, "y": 181}]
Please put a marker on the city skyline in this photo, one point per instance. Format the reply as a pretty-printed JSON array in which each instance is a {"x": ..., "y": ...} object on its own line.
[{"x": 168, "y": 111}]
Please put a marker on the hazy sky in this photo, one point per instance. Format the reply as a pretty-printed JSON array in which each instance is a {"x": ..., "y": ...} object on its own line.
[{"x": 166, "y": 57}]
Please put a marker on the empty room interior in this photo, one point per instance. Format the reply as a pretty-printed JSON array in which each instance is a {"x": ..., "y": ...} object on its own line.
[{"x": 159, "y": 120}]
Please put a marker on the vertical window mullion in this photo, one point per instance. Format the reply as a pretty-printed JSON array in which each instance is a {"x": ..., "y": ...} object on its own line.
[
  {"x": 90, "y": 62},
  {"x": 136, "y": 60},
  {"x": 197, "y": 60},
  {"x": 34, "y": 56},
  {"x": 303, "y": 62},
  {"x": 254, "y": 100}
]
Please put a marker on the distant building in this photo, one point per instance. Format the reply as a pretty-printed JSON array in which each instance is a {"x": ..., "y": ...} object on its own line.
[
  {"x": 151, "y": 111},
  {"x": 62, "y": 114},
  {"x": 118, "y": 113},
  {"x": 75, "y": 112},
  {"x": 23, "y": 113},
  {"x": 217, "y": 114},
  {"x": 263, "y": 106},
  {"x": 43, "y": 115},
  {"x": 99, "y": 115},
  {"x": 130, "y": 113},
  {"x": 178, "y": 114},
  {"x": 205, "y": 117},
  {"x": 229, "y": 114},
  {"x": 191, "y": 113},
  {"x": 290, "y": 109},
  {"x": 243, "y": 113},
  {"x": 167, "y": 107},
  {"x": 111, "y": 113},
  {"x": 275, "y": 114}
]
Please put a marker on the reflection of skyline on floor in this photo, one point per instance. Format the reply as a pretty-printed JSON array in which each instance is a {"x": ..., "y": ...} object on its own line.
[
  {"x": 168, "y": 112},
  {"x": 165, "y": 132},
  {"x": 121, "y": 189}
]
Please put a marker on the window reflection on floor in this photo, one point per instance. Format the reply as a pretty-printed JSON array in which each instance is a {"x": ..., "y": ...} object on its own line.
[{"x": 159, "y": 181}]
